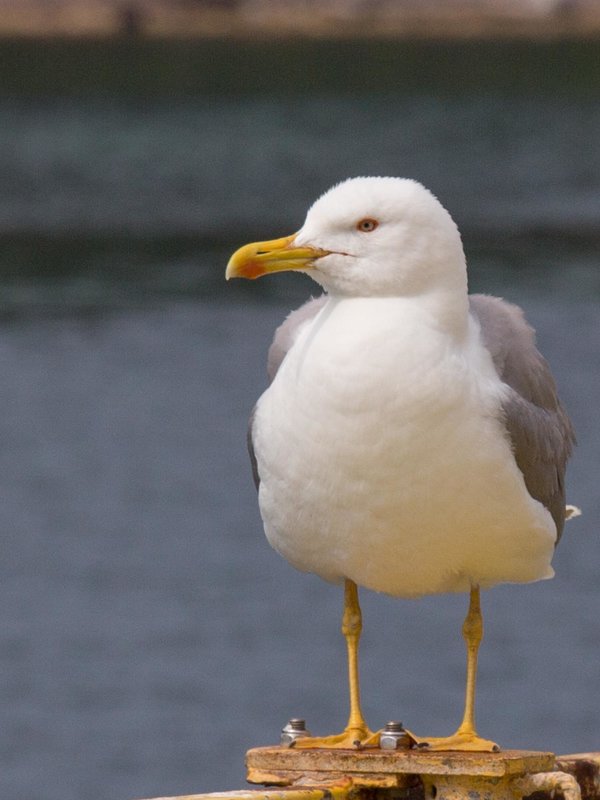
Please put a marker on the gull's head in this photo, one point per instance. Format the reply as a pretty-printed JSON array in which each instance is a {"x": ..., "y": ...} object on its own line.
[{"x": 367, "y": 237}]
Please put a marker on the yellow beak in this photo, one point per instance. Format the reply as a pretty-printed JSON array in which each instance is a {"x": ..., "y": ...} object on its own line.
[{"x": 259, "y": 258}]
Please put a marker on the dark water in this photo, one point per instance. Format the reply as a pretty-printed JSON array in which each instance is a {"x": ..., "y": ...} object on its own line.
[{"x": 149, "y": 635}]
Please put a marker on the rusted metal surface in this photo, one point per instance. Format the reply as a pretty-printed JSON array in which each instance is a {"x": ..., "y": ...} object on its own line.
[
  {"x": 585, "y": 768},
  {"x": 380, "y": 768},
  {"x": 415, "y": 775},
  {"x": 547, "y": 785}
]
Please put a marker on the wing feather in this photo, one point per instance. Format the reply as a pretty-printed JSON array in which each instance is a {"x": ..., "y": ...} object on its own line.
[{"x": 539, "y": 429}]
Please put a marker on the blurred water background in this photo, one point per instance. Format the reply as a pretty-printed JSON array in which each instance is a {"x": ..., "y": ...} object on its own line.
[{"x": 148, "y": 634}]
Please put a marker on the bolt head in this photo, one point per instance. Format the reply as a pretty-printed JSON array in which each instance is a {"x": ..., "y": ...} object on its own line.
[
  {"x": 294, "y": 729},
  {"x": 393, "y": 726}
]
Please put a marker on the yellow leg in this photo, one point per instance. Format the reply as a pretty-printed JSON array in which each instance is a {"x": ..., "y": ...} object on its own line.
[
  {"x": 466, "y": 737},
  {"x": 356, "y": 733},
  {"x": 352, "y": 629}
]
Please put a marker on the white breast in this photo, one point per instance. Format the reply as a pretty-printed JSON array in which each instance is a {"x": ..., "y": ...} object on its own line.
[{"x": 383, "y": 459}]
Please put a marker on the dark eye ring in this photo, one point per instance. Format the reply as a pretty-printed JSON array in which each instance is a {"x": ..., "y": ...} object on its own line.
[{"x": 366, "y": 225}]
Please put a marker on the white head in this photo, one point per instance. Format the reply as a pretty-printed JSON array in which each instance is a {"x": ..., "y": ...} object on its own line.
[
  {"x": 395, "y": 237},
  {"x": 368, "y": 237}
]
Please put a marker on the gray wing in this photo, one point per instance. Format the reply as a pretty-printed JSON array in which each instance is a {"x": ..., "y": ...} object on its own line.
[
  {"x": 540, "y": 431},
  {"x": 284, "y": 338}
]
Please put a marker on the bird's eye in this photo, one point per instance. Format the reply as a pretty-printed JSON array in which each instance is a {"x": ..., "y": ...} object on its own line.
[{"x": 366, "y": 225}]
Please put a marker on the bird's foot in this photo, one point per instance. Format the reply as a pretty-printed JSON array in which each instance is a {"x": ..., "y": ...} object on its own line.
[
  {"x": 352, "y": 738},
  {"x": 465, "y": 741}
]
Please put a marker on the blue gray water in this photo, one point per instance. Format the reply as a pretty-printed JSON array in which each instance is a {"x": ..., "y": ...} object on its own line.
[{"x": 148, "y": 635}]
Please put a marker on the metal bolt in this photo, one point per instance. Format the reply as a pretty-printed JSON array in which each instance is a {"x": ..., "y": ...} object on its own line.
[
  {"x": 394, "y": 737},
  {"x": 295, "y": 729}
]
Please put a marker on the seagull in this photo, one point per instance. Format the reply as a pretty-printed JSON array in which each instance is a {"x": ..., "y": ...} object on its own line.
[{"x": 411, "y": 440}]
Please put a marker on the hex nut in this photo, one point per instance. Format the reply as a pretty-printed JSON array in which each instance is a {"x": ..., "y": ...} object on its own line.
[
  {"x": 394, "y": 737},
  {"x": 294, "y": 729}
]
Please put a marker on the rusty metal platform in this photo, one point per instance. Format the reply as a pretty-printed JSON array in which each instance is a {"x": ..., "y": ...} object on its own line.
[
  {"x": 283, "y": 766},
  {"x": 414, "y": 775}
]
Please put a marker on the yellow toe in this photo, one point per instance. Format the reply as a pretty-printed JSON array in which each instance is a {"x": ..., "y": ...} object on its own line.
[
  {"x": 468, "y": 742},
  {"x": 351, "y": 738}
]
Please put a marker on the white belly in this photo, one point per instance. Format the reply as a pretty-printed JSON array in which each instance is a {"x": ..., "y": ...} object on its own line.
[{"x": 382, "y": 458}]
